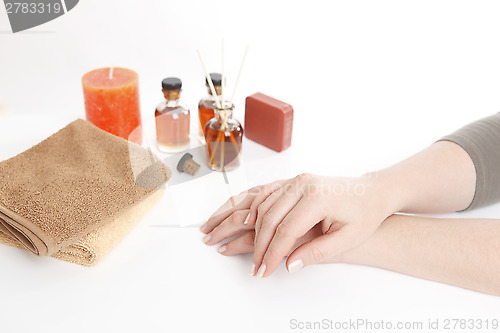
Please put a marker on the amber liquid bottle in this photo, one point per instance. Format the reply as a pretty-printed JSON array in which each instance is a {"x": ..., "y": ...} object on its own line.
[
  {"x": 172, "y": 119},
  {"x": 224, "y": 136},
  {"x": 207, "y": 105}
]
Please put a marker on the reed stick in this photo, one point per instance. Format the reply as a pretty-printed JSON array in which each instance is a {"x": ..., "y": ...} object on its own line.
[
  {"x": 218, "y": 141},
  {"x": 239, "y": 75},
  {"x": 222, "y": 73},
  {"x": 231, "y": 137},
  {"x": 224, "y": 126},
  {"x": 209, "y": 80},
  {"x": 222, "y": 150}
]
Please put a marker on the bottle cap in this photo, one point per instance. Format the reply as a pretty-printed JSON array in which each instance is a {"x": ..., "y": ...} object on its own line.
[
  {"x": 216, "y": 79},
  {"x": 171, "y": 83}
]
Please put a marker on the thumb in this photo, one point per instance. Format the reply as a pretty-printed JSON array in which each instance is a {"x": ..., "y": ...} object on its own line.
[{"x": 321, "y": 249}]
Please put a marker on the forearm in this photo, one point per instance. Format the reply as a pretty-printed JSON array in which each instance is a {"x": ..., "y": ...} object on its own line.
[
  {"x": 441, "y": 178},
  {"x": 461, "y": 172},
  {"x": 464, "y": 252}
]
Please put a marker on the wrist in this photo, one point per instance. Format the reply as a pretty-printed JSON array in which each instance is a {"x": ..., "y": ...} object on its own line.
[
  {"x": 386, "y": 189},
  {"x": 375, "y": 247}
]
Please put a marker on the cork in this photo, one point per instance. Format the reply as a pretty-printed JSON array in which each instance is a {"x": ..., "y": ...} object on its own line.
[{"x": 188, "y": 165}]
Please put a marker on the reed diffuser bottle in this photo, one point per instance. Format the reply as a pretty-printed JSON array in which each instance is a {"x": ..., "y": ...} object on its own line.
[
  {"x": 207, "y": 105},
  {"x": 224, "y": 136},
  {"x": 172, "y": 118}
]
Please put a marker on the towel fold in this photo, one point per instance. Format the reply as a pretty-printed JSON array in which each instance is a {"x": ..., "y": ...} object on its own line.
[
  {"x": 94, "y": 247},
  {"x": 73, "y": 187}
]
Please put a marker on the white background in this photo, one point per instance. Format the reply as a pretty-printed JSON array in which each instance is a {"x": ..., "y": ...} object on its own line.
[{"x": 371, "y": 83}]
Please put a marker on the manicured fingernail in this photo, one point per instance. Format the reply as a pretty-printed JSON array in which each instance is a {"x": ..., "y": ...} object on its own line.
[
  {"x": 246, "y": 220},
  {"x": 206, "y": 238},
  {"x": 204, "y": 227},
  {"x": 222, "y": 248},
  {"x": 262, "y": 270},
  {"x": 252, "y": 270},
  {"x": 295, "y": 265}
]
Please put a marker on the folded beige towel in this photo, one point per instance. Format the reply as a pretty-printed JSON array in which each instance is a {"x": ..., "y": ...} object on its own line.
[
  {"x": 61, "y": 196},
  {"x": 94, "y": 247}
]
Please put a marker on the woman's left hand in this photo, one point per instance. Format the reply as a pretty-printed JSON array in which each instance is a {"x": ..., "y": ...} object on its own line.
[{"x": 346, "y": 211}]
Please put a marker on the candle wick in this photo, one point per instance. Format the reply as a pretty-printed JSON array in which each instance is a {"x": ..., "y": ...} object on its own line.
[{"x": 111, "y": 72}]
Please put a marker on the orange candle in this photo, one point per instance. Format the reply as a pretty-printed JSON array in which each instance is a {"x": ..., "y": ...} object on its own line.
[{"x": 112, "y": 101}]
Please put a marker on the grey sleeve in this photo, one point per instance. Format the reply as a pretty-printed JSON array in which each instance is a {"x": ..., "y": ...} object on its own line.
[{"x": 481, "y": 140}]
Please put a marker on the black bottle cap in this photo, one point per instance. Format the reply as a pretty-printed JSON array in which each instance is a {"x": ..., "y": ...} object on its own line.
[
  {"x": 171, "y": 83},
  {"x": 216, "y": 79}
]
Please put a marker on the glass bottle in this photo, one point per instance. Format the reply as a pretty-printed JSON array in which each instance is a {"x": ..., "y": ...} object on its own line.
[
  {"x": 224, "y": 136},
  {"x": 172, "y": 118},
  {"x": 206, "y": 106}
]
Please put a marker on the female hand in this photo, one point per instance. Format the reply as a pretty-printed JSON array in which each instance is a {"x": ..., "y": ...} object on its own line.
[{"x": 346, "y": 210}]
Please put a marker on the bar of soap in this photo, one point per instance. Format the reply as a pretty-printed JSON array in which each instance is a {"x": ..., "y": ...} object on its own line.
[{"x": 268, "y": 121}]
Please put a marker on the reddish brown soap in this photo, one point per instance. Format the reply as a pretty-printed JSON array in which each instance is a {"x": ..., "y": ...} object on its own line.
[{"x": 268, "y": 121}]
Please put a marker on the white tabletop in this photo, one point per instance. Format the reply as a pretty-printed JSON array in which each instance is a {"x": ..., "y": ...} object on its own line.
[{"x": 370, "y": 84}]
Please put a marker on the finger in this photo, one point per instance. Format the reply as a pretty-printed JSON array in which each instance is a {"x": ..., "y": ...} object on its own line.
[
  {"x": 264, "y": 192},
  {"x": 238, "y": 202},
  {"x": 290, "y": 186},
  {"x": 240, "y": 245},
  {"x": 245, "y": 243},
  {"x": 269, "y": 201},
  {"x": 313, "y": 233},
  {"x": 264, "y": 207},
  {"x": 231, "y": 226},
  {"x": 297, "y": 223},
  {"x": 322, "y": 248},
  {"x": 271, "y": 213}
]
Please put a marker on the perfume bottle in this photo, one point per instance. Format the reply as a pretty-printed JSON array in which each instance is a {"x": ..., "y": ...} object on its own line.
[
  {"x": 224, "y": 136},
  {"x": 172, "y": 118},
  {"x": 206, "y": 106}
]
